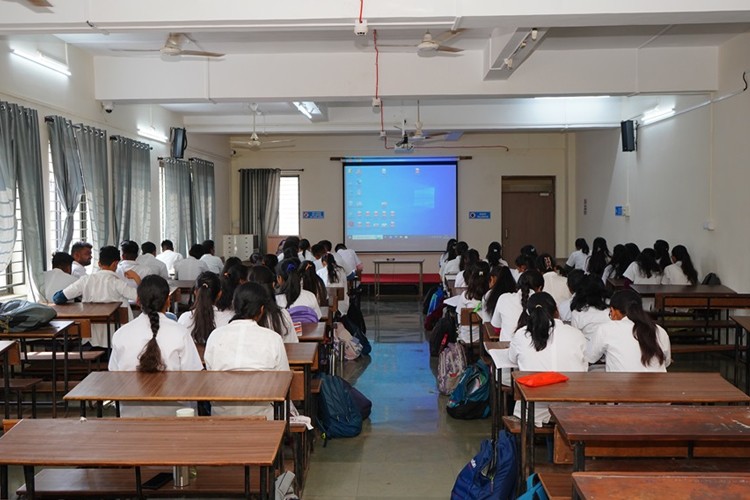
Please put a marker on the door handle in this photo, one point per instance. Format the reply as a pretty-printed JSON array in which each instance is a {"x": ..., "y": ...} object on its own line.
[{"x": 506, "y": 233}]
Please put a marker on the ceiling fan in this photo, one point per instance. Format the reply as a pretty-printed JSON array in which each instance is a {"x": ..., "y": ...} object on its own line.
[
  {"x": 430, "y": 45},
  {"x": 419, "y": 136},
  {"x": 173, "y": 47},
  {"x": 255, "y": 144}
]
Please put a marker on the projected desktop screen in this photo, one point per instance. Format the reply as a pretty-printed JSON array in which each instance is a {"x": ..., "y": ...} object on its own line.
[{"x": 397, "y": 205}]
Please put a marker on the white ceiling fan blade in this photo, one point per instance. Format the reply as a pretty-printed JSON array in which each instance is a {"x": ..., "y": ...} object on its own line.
[
  {"x": 444, "y": 48},
  {"x": 448, "y": 35},
  {"x": 278, "y": 141},
  {"x": 199, "y": 53},
  {"x": 135, "y": 50}
]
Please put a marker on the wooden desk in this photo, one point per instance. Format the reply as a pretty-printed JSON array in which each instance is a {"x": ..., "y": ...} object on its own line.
[
  {"x": 313, "y": 332},
  {"x": 660, "y": 485},
  {"x": 654, "y": 290},
  {"x": 616, "y": 283},
  {"x": 104, "y": 312},
  {"x": 54, "y": 331},
  {"x": 743, "y": 325},
  {"x": 144, "y": 442},
  {"x": 380, "y": 262},
  {"x": 620, "y": 387},
  {"x": 5, "y": 346},
  {"x": 652, "y": 424},
  {"x": 242, "y": 386},
  {"x": 305, "y": 355}
]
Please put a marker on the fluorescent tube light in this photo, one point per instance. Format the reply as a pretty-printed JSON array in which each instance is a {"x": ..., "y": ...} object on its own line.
[
  {"x": 307, "y": 108},
  {"x": 43, "y": 60},
  {"x": 152, "y": 133},
  {"x": 656, "y": 114}
]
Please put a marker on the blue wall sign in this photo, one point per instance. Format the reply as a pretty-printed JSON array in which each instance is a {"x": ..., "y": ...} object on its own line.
[
  {"x": 313, "y": 214},
  {"x": 479, "y": 215},
  {"x": 618, "y": 211}
]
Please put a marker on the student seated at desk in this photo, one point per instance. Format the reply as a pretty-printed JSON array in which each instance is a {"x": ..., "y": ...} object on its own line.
[
  {"x": 589, "y": 307},
  {"x": 244, "y": 345},
  {"x": 495, "y": 255},
  {"x": 58, "y": 277},
  {"x": 148, "y": 260},
  {"x": 580, "y": 257},
  {"x": 452, "y": 266},
  {"x": 575, "y": 278},
  {"x": 276, "y": 318},
  {"x": 102, "y": 286},
  {"x": 468, "y": 259},
  {"x": 510, "y": 306},
  {"x": 81, "y": 253},
  {"x": 545, "y": 344},
  {"x": 478, "y": 275},
  {"x": 599, "y": 259},
  {"x": 681, "y": 271},
  {"x": 153, "y": 343},
  {"x": 291, "y": 295},
  {"x": 644, "y": 270},
  {"x": 312, "y": 282},
  {"x": 449, "y": 254},
  {"x": 214, "y": 263},
  {"x": 188, "y": 269},
  {"x": 334, "y": 276},
  {"x": 554, "y": 284},
  {"x": 168, "y": 256},
  {"x": 631, "y": 342},
  {"x": 204, "y": 317},
  {"x": 501, "y": 282},
  {"x": 128, "y": 255},
  {"x": 351, "y": 259}
]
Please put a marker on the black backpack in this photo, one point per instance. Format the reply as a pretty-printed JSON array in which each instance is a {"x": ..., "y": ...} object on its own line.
[
  {"x": 711, "y": 279},
  {"x": 338, "y": 416},
  {"x": 443, "y": 334},
  {"x": 355, "y": 314}
]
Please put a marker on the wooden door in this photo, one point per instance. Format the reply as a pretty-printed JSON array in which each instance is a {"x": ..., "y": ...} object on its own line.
[{"x": 528, "y": 213}]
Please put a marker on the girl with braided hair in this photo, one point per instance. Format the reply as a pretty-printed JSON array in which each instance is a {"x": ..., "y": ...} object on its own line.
[{"x": 153, "y": 343}]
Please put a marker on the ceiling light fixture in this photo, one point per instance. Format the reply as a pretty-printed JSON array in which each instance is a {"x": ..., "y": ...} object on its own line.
[
  {"x": 307, "y": 108},
  {"x": 43, "y": 60},
  {"x": 152, "y": 133},
  {"x": 656, "y": 114}
]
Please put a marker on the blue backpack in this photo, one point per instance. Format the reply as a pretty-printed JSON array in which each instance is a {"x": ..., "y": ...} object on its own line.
[
  {"x": 491, "y": 474},
  {"x": 338, "y": 416},
  {"x": 471, "y": 397}
]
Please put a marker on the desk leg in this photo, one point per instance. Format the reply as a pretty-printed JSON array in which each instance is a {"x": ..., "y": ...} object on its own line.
[
  {"x": 54, "y": 378},
  {"x": 524, "y": 451},
  {"x": 28, "y": 474},
  {"x": 377, "y": 281},
  {"x": 83, "y": 409},
  {"x": 138, "y": 483},
  {"x": 493, "y": 403},
  {"x": 65, "y": 367},
  {"x": 6, "y": 383},
  {"x": 247, "y": 482},
  {"x": 579, "y": 456},
  {"x": 308, "y": 394},
  {"x": 3, "y": 481},
  {"x": 421, "y": 285},
  {"x": 99, "y": 409}
]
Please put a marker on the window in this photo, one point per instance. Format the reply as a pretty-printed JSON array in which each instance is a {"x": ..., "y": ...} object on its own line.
[
  {"x": 289, "y": 205},
  {"x": 14, "y": 275},
  {"x": 57, "y": 213}
]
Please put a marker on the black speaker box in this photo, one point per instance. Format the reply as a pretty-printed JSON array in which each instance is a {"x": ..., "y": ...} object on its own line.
[{"x": 627, "y": 128}]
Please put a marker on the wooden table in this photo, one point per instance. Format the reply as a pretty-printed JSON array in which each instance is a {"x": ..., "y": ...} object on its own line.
[
  {"x": 619, "y": 387},
  {"x": 380, "y": 262},
  {"x": 144, "y": 442},
  {"x": 96, "y": 312},
  {"x": 652, "y": 424},
  {"x": 305, "y": 355},
  {"x": 242, "y": 386},
  {"x": 654, "y": 290},
  {"x": 5, "y": 346},
  {"x": 743, "y": 325},
  {"x": 313, "y": 332},
  {"x": 660, "y": 485},
  {"x": 54, "y": 331}
]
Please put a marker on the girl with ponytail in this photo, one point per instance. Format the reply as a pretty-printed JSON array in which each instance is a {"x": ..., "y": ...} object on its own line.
[
  {"x": 334, "y": 276},
  {"x": 501, "y": 281},
  {"x": 529, "y": 283},
  {"x": 204, "y": 316},
  {"x": 153, "y": 343},
  {"x": 631, "y": 342},
  {"x": 478, "y": 283},
  {"x": 546, "y": 344},
  {"x": 275, "y": 318},
  {"x": 681, "y": 271},
  {"x": 509, "y": 306},
  {"x": 290, "y": 293},
  {"x": 580, "y": 257},
  {"x": 312, "y": 282}
]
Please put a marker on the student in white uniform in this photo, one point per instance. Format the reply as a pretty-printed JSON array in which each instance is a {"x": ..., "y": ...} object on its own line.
[
  {"x": 617, "y": 264},
  {"x": 495, "y": 255},
  {"x": 318, "y": 252},
  {"x": 204, "y": 317},
  {"x": 644, "y": 270},
  {"x": 449, "y": 254},
  {"x": 468, "y": 259},
  {"x": 523, "y": 264},
  {"x": 631, "y": 342},
  {"x": 128, "y": 253},
  {"x": 349, "y": 270},
  {"x": 350, "y": 257},
  {"x": 153, "y": 343},
  {"x": 589, "y": 307},
  {"x": 579, "y": 258},
  {"x": 334, "y": 276},
  {"x": 554, "y": 284},
  {"x": 451, "y": 267},
  {"x": 81, "y": 252},
  {"x": 190, "y": 268},
  {"x": 102, "y": 286},
  {"x": 290, "y": 293},
  {"x": 148, "y": 260},
  {"x": 478, "y": 285},
  {"x": 214, "y": 263},
  {"x": 546, "y": 344},
  {"x": 305, "y": 252},
  {"x": 277, "y": 319},
  {"x": 661, "y": 248},
  {"x": 58, "y": 277},
  {"x": 681, "y": 271},
  {"x": 510, "y": 306},
  {"x": 501, "y": 281},
  {"x": 246, "y": 346},
  {"x": 312, "y": 282},
  {"x": 230, "y": 280},
  {"x": 600, "y": 257},
  {"x": 168, "y": 256},
  {"x": 575, "y": 278}
]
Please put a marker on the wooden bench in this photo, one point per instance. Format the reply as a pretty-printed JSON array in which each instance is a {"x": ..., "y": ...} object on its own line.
[{"x": 513, "y": 425}]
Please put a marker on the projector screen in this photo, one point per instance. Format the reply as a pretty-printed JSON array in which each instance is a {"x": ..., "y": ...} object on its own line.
[{"x": 399, "y": 204}]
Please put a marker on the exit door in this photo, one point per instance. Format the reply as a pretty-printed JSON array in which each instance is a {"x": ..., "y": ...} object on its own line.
[{"x": 528, "y": 213}]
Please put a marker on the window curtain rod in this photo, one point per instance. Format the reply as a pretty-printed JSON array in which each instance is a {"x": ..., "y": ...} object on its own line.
[{"x": 117, "y": 137}]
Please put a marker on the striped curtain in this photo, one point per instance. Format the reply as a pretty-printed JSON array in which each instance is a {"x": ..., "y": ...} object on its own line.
[
  {"x": 131, "y": 172},
  {"x": 203, "y": 198},
  {"x": 92, "y": 144},
  {"x": 176, "y": 213},
  {"x": 259, "y": 202}
]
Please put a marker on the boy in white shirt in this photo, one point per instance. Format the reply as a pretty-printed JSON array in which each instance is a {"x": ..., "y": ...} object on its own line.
[
  {"x": 214, "y": 263},
  {"x": 148, "y": 260},
  {"x": 81, "y": 252},
  {"x": 58, "y": 277},
  {"x": 168, "y": 256},
  {"x": 128, "y": 253},
  {"x": 190, "y": 268}
]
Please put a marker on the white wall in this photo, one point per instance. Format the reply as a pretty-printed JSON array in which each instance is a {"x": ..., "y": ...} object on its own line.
[
  {"x": 479, "y": 180},
  {"x": 688, "y": 170}
]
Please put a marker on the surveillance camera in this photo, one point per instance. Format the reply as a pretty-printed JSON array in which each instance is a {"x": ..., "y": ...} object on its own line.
[{"x": 108, "y": 106}]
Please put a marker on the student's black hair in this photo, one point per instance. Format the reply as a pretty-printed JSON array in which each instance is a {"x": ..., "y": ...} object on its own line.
[
  {"x": 661, "y": 248},
  {"x": 148, "y": 247},
  {"x": 629, "y": 303},
  {"x": 153, "y": 293},
  {"x": 450, "y": 249},
  {"x": 271, "y": 261},
  {"x": 619, "y": 261},
  {"x": 680, "y": 254},
  {"x": 531, "y": 280},
  {"x": 575, "y": 278},
  {"x": 291, "y": 247},
  {"x": 461, "y": 248},
  {"x": 582, "y": 245},
  {"x": 540, "y": 322},
  {"x": 304, "y": 245},
  {"x": 523, "y": 261},
  {"x": 318, "y": 250},
  {"x": 468, "y": 259},
  {"x": 289, "y": 252},
  {"x": 206, "y": 291},
  {"x": 196, "y": 251},
  {"x": 477, "y": 280},
  {"x": 273, "y": 318},
  {"x": 208, "y": 246},
  {"x": 231, "y": 262},
  {"x": 167, "y": 245},
  {"x": 230, "y": 280},
  {"x": 589, "y": 293},
  {"x": 80, "y": 245},
  {"x": 291, "y": 286},
  {"x": 327, "y": 245},
  {"x": 494, "y": 253},
  {"x": 312, "y": 282},
  {"x": 599, "y": 257},
  {"x": 108, "y": 255},
  {"x": 249, "y": 300},
  {"x": 129, "y": 249},
  {"x": 61, "y": 259},
  {"x": 632, "y": 251},
  {"x": 504, "y": 283},
  {"x": 332, "y": 268},
  {"x": 529, "y": 251},
  {"x": 545, "y": 263},
  {"x": 256, "y": 259},
  {"x": 647, "y": 262}
]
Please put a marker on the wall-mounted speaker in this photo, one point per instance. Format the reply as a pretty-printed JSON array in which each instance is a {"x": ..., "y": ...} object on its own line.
[{"x": 627, "y": 128}]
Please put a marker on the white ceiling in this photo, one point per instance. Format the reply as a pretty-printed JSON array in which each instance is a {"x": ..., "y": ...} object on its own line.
[{"x": 305, "y": 50}]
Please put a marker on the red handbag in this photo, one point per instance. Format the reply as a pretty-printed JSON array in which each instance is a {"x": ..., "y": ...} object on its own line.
[{"x": 542, "y": 378}]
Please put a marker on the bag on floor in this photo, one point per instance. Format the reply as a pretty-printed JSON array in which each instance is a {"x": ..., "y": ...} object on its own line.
[
  {"x": 338, "y": 416},
  {"x": 354, "y": 313},
  {"x": 443, "y": 333},
  {"x": 363, "y": 404},
  {"x": 451, "y": 364},
  {"x": 303, "y": 314},
  {"x": 491, "y": 474},
  {"x": 352, "y": 347},
  {"x": 436, "y": 301},
  {"x": 356, "y": 332},
  {"x": 471, "y": 397},
  {"x": 22, "y": 316},
  {"x": 534, "y": 489}
]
